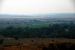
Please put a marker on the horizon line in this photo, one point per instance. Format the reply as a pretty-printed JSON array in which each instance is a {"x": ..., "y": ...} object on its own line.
[{"x": 37, "y": 14}]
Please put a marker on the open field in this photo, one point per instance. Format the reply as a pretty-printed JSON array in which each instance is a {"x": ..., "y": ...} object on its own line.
[
  {"x": 37, "y": 34},
  {"x": 38, "y": 44}
]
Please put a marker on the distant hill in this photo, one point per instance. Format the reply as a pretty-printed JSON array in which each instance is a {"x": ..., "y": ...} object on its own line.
[{"x": 54, "y": 15}]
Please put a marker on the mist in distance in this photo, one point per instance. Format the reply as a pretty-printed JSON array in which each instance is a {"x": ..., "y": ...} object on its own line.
[{"x": 36, "y": 8}]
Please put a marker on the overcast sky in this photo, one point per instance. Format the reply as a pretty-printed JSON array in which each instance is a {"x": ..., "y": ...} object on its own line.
[{"x": 29, "y": 7}]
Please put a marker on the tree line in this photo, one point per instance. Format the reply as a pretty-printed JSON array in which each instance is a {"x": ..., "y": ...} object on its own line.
[{"x": 63, "y": 30}]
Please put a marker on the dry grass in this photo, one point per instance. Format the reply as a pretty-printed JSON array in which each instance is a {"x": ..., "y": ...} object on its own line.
[{"x": 32, "y": 43}]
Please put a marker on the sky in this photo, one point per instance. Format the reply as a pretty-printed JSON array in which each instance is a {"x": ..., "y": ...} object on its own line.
[{"x": 30, "y": 7}]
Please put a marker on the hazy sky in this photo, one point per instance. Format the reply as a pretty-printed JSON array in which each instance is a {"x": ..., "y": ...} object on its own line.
[{"x": 29, "y": 7}]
